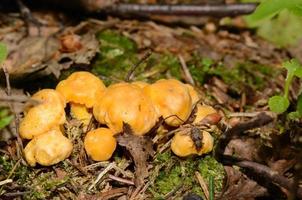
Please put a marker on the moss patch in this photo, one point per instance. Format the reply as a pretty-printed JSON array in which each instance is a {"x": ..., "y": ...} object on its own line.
[{"x": 181, "y": 173}]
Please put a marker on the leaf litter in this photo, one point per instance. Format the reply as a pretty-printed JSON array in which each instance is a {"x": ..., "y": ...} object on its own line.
[{"x": 232, "y": 70}]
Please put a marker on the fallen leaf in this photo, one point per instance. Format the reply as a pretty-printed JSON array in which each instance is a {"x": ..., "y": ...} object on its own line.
[{"x": 140, "y": 148}]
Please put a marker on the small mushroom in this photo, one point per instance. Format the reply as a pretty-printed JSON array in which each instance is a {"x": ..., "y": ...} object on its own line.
[
  {"x": 140, "y": 84},
  {"x": 80, "y": 112},
  {"x": 100, "y": 144},
  {"x": 125, "y": 103},
  {"x": 48, "y": 149},
  {"x": 80, "y": 89},
  {"x": 204, "y": 111},
  {"x": 182, "y": 144},
  {"x": 195, "y": 96},
  {"x": 172, "y": 100},
  {"x": 41, "y": 118}
]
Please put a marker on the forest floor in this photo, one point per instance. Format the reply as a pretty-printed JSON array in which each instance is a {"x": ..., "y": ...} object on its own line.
[{"x": 233, "y": 69}]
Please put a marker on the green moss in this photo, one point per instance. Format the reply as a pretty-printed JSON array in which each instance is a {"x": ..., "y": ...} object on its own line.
[
  {"x": 210, "y": 167},
  {"x": 118, "y": 54},
  {"x": 238, "y": 77},
  {"x": 182, "y": 172}
]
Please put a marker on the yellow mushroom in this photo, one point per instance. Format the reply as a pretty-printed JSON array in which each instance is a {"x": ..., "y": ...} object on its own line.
[
  {"x": 172, "y": 100},
  {"x": 80, "y": 112},
  {"x": 48, "y": 149},
  {"x": 195, "y": 96},
  {"x": 182, "y": 144},
  {"x": 202, "y": 112},
  {"x": 140, "y": 84},
  {"x": 100, "y": 144},
  {"x": 49, "y": 113},
  {"x": 80, "y": 89},
  {"x": 125, "y": 103}
]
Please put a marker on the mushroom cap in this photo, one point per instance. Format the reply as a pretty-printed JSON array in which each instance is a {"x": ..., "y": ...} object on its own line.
[
  {"x": 207, "y": 143},
  {"x": 172, "y": 100},
  {"x": 202, "y": 112},
  {"x": 100, "y": 144},
  {"x": 44, "y": 116},
  {"x": 80, "y": 112},
  {"x": 48, "y": 149},
  {"x": 82, "y": 88},
  {"x": 195, "y": 96},
  {"x": 140, "y": 84},
  {"x": 182, "y": 144},
  {"x": 125, "y": 103}
]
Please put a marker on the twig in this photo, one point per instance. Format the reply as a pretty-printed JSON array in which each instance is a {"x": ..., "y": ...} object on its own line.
[
  {"x": 8, "y": 87},
  {"x": 243, "y": 114},
  {"x": 216, "y": 10},
  {"x": 105, "y": 171},
  {"x": 122, "y": 180},
  {"x": 15, "y": 194},
  {"x": 203, "y": 185},
  {"x": 264, "y": 171},
  {"x": 260, "y": 120},
  {"x": 188, "y": 77},
  {"x": 143, "y": 59},
  {"x": 19, "y": 98},
  {"x": 9, "y": 93},
  {"x": 6, "y": 181}
]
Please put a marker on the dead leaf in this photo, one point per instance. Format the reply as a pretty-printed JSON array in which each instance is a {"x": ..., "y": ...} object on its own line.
[{"x": 140, "y": 148}]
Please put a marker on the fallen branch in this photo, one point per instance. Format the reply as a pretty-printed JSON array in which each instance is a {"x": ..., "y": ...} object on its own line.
[
  {"x": 260, "y": 120},
  {"x": 263, "y": 171}
]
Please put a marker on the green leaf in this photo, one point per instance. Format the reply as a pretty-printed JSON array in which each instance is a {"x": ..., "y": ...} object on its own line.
[
  {"x": 5, "y": 121},
  {"x": 3, "y": 52},
  {"x": 299, "y": 104},
  {"x": 294, "y": 67},
  {"x": 269, "y": 8},
  {"x": 278, "y": 104},
  {"x": 293, "y": 115}
]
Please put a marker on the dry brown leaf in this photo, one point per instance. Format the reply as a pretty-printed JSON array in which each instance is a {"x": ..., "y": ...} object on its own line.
[{"x": 140, "y": 148}]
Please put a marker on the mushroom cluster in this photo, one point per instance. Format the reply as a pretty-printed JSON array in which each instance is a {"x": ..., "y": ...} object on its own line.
[{"x": 138, "y": 104}]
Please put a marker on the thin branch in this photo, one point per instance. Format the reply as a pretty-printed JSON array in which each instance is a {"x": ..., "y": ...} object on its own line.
[
  {"x": 119, "y": 179},
  {"x": 261, "y": 170},
  {"x": 216, "y": 10},
  {"x": 188, "y": 76},
  {"x": 260, "y": 120},
  {"x": 131, "y": 72}
]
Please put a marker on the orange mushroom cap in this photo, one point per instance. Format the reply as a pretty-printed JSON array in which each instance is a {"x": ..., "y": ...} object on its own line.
[
  {"x": 202, "y": 112},
  {"x": 172, "y": 100},
  {"x": 125, "y": 103},
  {"x": 182, "y": 144},
  {"x": 48, "y": 149},
  {"x": 81, "y": 88},
  {"x": 80, "y": 112},
  {"x": 100, "y": 144},
  {"x": 195, "y": 96},
  {"x": 140, "y": 84},
  {"x": 49, "y": 113}
]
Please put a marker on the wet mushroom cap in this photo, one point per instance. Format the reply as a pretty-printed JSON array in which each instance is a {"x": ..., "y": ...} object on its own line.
[
  {"x": 202, "y": 112},
  {"x": 80, "y": 113},
  {"x": 182, "y": 144},
  {"x": 195, "y": 96},
  {"x": 48, "y": 149},
  {"x": 172, "y": 100},
  {"x": 82, "y": 88},
  {"x": 100, "y": 144},
  {"x": 125, "y": 103},
  {"x": 48, "y": 113},
  {"x": 140, "y": 84}
]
